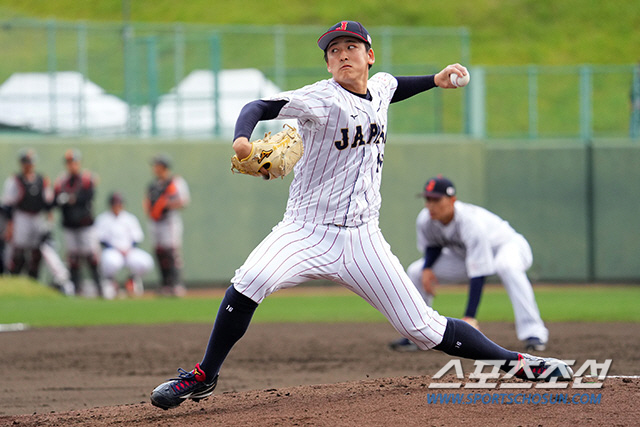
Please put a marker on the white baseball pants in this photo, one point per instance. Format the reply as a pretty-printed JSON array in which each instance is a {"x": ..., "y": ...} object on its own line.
[
  {"x": 136, "y": 260},
  {"x": 357, "y": 258},
  {"x": 511, "y": 260}
]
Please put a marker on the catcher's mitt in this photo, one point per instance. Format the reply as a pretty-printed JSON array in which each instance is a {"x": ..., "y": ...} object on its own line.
[{"x": 276, "y": 153}]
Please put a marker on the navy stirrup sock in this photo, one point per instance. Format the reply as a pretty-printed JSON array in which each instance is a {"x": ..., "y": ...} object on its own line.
[
  {"x": 463, "y": 340},
  {"x": 234, "y": 316}
]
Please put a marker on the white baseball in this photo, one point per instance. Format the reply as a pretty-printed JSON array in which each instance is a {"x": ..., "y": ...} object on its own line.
[{"x": 459, "y": 81}]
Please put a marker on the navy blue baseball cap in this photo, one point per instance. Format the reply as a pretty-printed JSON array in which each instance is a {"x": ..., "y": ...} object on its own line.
[
  {"x": 439, "y": 187},
  {"x": 344, "y": 28},
  {"x": 115, "y": 198}
]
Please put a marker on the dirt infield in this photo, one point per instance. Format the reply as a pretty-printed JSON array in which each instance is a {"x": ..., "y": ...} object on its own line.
[{"x": 286, "y": 375}]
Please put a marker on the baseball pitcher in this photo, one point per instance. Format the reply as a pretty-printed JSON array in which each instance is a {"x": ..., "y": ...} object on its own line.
[{"x": 330, "y": 228}]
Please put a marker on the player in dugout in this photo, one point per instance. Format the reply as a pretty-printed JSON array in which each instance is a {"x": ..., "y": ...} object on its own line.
[
  {"x": 27, "y": 197},
  {"x": 74, "y": 194},
  {"x": 166, "y": 196},
  {"x": 120, "y": 233}
]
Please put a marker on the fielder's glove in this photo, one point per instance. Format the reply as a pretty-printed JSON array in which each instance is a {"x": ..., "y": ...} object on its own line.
[{"x": 276, "y": 153}]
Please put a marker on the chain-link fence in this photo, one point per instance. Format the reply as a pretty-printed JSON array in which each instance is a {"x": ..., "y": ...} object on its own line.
[
  {"x": 176, "y": 80},
  {"x": 582, "y": 101},
  {"x": 182, "y": 81}
]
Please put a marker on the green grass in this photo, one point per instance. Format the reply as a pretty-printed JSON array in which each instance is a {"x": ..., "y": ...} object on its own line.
[
  {"x": 24, "y": 301},
  {"x": 502, "y": 32},
  {"x": 560, "y": 303}
]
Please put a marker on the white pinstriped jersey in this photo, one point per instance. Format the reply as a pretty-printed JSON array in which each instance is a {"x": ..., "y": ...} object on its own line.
[
  {"x": 343, "y": 135},
  {"x": 330, "y": 228},
  {"x": 475, "y": 234}
]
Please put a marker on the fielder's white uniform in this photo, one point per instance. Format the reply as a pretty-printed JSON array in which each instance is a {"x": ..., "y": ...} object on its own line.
[
  {"x": 330, "y": 227},
  {"x": 121, "y": 232},
  {"x": 480, "y": 243}
]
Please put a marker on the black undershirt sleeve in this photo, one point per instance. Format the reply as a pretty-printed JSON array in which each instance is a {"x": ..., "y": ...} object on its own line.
[
  {"x": 475, "y": 293},
  {"x": 412, "y": 85},
  {"x": 431, "y": 254},
  {"x": 253, "y": 112}
]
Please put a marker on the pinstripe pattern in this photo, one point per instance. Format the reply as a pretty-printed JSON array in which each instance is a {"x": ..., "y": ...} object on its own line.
[
  {"x": 358, "y": 258},
  {"x": 330, "y": 228},
  {"x": 331, "y": 185}
]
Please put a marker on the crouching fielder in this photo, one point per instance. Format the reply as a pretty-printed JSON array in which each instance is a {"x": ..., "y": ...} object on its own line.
[{"x": 120, "y": 233}]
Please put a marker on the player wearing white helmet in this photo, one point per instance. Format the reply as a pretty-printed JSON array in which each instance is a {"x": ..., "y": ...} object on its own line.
[
  {"x": 462, "y": 242},
  {"x": 330, "y": 227}
]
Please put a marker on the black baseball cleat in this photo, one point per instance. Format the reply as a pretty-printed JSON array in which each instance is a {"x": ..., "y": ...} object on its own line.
[
  {"x": 189, "y": 385},
  {"x": 403, "y": 344},
  {"x": 533, "y": 368}
]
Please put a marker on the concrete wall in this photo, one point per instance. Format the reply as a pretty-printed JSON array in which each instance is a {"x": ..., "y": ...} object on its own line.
[{"x": 578, "y": 208}]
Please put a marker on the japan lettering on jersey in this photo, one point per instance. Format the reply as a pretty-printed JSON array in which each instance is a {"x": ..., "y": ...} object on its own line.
[{"x": 337, "y": 181}]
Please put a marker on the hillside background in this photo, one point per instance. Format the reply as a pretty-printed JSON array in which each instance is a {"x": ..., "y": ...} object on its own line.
[{"x": 503, "y": 32}]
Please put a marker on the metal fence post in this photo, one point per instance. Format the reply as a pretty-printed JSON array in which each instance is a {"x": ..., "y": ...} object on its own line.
[
  {"x": 465, "y": 54},
  {"x": 533, "y": 101},
  {"x": 634, "y": 123},
  {"x": 152, "y": 76},
  {"x": 129, "y": 77},
  {"x": 387, "y": 50},
  {"x": 83, "y": 68},
  {"x": 465, "y": 48},
  {"x": 386, "y": 62},
  {"x": 178, "y": 72},
  {"x": 477, "y": 104},
  {"x": 280, "y": 53},
  {"x": 51, "y": 69},
  {"x": 586, "y": 133},
  {"x": 216, "y": 64},
  {"x": 586, "y": 119}
]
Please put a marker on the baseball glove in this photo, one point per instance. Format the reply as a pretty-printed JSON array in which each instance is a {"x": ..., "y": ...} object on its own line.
[{"x": 276, "y": 153}]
